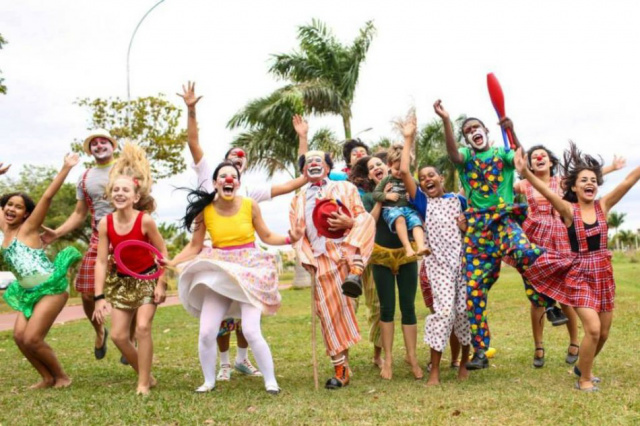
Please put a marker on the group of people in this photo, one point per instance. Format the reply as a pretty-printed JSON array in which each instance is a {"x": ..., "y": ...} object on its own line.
[{"x": 364, "y": 230}]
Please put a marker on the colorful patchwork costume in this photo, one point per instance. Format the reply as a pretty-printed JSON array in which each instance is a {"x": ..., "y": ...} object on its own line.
[{"x": 493, "y": 232}]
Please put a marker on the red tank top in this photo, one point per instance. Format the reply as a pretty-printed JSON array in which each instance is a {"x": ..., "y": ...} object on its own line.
[{"x": 137, "y": 259}]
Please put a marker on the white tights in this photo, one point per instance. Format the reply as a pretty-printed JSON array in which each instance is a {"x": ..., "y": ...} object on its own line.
[{"x": 214, "y": 309}]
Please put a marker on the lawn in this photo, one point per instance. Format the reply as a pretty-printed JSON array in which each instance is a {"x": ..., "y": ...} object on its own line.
[{"x": 510, "y": 392}]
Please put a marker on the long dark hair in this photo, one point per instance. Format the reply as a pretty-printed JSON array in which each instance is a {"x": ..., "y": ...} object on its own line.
[
  {"x": 29, "y": 204},
  {"x": 198, "y": 199},
  {"x": 554, "y": 160},
  {"x": 574, "y": 163},
  {"x": 359, "y": 175}
]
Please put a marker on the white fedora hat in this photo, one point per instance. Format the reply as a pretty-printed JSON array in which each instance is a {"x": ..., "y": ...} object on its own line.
[{"x": 99, "y": 133}]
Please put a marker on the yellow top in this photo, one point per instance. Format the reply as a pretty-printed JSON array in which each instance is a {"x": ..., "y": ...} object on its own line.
[{"x": 226, "y": 231}]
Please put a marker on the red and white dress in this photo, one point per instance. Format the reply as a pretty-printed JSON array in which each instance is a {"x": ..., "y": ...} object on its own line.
[{"x": 582, "y": 277}]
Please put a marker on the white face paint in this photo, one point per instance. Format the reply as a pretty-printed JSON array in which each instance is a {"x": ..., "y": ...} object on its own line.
[
  {"x": 227, "y": 183},
  {"x": 315, "y": 168},
  {"x": 477, "y": 138},
  {"x": 238, "y": 158},
  {"x": 101, "y": 148}
]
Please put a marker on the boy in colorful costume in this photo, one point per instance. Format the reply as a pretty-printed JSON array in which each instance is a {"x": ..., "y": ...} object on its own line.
[
  {"x": 335, "y": 263},
  {"x": 494, "y": 231}
]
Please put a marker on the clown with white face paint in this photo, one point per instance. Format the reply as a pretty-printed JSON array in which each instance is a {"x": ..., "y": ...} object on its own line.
[
  {"x": 493, "y": 232},
  {"x": 91, "y": 199},
  {"x": 335, "y": 253}
]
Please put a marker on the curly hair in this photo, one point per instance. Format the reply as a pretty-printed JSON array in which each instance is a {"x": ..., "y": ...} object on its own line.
[
  {"x": 359, "y": 175},
  {"x": 574, "y": 162},
  {"x": 29, "y": 204},
  {"x": 132, "y": 163},
  {"x": 555, "y": 162},
  {"x": 350, "y": 145}
]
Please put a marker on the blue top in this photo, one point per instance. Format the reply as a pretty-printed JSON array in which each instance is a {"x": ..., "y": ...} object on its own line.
[
  {"x": 338, "y": 175},
  {"x": 421, "y": 200}
]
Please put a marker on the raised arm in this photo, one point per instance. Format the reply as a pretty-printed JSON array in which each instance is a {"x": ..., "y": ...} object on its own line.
[
  {"x": 74, "y": 221},
  {"x": 452, "y": 147},
  {"x": 617, "y": 164},
  {"x": 288, "y": 186},
  {"x": 302, "y": 129},
  {"x": 506, "y": 123},
  {"x": 611, "y": 199},
  {"x": 563, "y": 207},
  {"x": 190, "y": 99},
  {"x": 271, "y": 238},
  {"x": 35, "y": 220},
  {"x": 409, "y": 128},
  {"x": 100, "y": 274}
]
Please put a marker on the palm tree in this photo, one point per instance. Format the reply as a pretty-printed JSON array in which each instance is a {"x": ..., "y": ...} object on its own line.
[
  {"x": 324, "y": 71},
  {"x": 615, "y": 220},
  {"x": 627, "y": 238}
]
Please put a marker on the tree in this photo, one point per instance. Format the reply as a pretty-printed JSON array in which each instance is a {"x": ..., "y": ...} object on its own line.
[
  {"x": 3, "y": 88},
  {"x": 626, "y": 237},
  {"x": 174, "y": 237},
  {"x": 324, "y": 71},
  {"x": 615, "y": 220},
  {"x": 154, "y": 125}
]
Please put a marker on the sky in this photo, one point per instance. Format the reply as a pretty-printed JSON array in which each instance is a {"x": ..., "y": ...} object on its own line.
[{"x": 566, "y": 68}]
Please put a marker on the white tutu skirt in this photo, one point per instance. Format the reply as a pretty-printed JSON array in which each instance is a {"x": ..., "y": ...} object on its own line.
[{"x": 245, "y": 275}]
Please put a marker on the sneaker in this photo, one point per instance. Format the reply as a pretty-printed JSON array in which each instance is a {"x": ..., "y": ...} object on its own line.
[
  {"x": 555, "y": 316},
  {"x": 245, "y": 367},
  {"x": 352, "y": 286},
  {"x": 224, "y": 375},
  {"x": 340, "y": 380},
  {"x": 478, "y": 362}
]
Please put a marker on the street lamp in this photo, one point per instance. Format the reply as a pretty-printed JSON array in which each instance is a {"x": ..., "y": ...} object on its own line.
[{"x": 128, "y": 54}]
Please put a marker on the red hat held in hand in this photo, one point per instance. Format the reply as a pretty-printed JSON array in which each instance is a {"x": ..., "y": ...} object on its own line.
[{"x": 322, "y": 212}]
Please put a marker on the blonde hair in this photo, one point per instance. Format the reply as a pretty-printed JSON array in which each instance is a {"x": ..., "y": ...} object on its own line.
[
  {"x": 133, "y": 164},
  {"x": 394, "y": 153}
]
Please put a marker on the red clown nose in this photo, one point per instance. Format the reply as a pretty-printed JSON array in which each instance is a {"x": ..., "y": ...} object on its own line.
[
  {"x": 539, "y": 158},
  {"x": 239, "y": 153},
  {"x": 228, "y": 179}
]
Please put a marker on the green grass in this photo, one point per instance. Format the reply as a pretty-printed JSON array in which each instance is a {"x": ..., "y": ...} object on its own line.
[{"x": 511, "y": 392}]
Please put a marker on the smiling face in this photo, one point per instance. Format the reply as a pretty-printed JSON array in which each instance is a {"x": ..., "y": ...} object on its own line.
[
  {"x": 101, "y": 148},
  {"x": 315, "y": 168},
  {"x": 431, "y": 182},
  {"x": 394, "y": 169},
  {"x": 476, "y": 135},
  {"x": 227, "y": 182},
  {"x": 586, "y": 186},
  {"x": 123, "y": 193},
  {"x": 539, "y": 162},
  {"x": 356, "y": 154},
  {"x": 378, "y": 170},
  {"x": 239, "y": 158},
  {"x": 15, "y": 211}
]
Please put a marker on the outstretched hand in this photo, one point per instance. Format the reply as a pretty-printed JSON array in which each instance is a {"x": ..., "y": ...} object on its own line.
[
  {"x": 618, "y": 163},
  {"x": 297, "y": 231},
  {"x": 189, "y": 95},
  {"x": 48, "y": 235},
  {"x": 71, "y": 160},
  {"x": 300, "y": 125},
  {"x": 5, "y": 169},
  {"x": 439, "y": 109},
  {"x": 520, "y": 161},
  {"x": 409, "y": 126}
]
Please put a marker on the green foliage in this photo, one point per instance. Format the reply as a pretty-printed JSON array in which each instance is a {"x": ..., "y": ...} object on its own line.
[
  {"x": 3, "y": 88},
  {"x": 154, "y": 124},
  {"x": 34, "y": 180},
  {"x": 174, "y": 237}
]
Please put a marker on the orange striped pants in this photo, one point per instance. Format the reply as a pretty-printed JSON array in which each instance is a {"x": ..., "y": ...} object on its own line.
[{"x": 336, "y": 311}]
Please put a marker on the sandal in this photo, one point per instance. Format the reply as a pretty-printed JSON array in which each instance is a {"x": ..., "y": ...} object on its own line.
[
  {"x": 455, "y": 364},
  {"x": 538, "y": 361},
  {"x": 572, "y": 358}
]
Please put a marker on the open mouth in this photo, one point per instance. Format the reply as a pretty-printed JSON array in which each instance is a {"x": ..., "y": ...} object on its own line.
[
  {"x": 379, "y": 174},
  {"x": 238, "y": 163},
  {"x": 477, "y": 139},
  {"x": 9, "y": 215},
  {"x": 227, "y": 190},
  {"x": 590, "y": 191},
  {"x": 541, "y": 164},
  {"x": 314, "y": 171},
  {"x": 119, "y": 199},
  {"x": 430, "y": 186}
]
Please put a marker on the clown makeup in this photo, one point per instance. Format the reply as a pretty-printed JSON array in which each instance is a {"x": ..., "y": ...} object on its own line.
[
  {"x": 539, "y": 162},
  {"x": 101, "y": 148},
  {"x": 227, "y": 182},
  {"x": 586, "y": 186},
  {"x": 377, "y": 169},
  {"x": 431, "y": 182},
  {"x": 476, "y": 135},
  {"x": 314, "y": 167},
  {"x": 356, "y": 154},
  {"x": 123, "y": 193},
  {"x": 239, "y": 158}
]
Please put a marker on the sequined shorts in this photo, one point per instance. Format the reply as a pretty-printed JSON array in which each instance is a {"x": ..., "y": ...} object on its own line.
[{"x": 126, "y": 292}]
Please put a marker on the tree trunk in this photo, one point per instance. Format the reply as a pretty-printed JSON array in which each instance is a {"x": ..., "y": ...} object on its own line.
[
  {"x": 301, "y": 278},
  {"x": 346, "y": 122}
]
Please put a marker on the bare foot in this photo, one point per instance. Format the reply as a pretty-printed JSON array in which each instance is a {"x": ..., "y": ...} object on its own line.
[
  {"x": 143, "y": 390},
  {"x": 378, "y": 362},
  {"x": 153, "y": 382},
  {"x": 463, "y": 373},
  {"x": 415, "y": 369},
  {"x": 386, "y": 370},
  {"x": 63, "y": 382},
  {"x": 434, "y": 377},
  {"x": 45, "y": 383}
]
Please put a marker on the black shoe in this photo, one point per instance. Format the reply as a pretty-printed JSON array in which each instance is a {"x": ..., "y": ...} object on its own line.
[
  {"x": 123, "y": 360},
  {"x": 571, "y": 358},
  {"x": 555, "y": 316},
  {"x": 538, "y": 362},
  {"x": 352, "y": 286},
  {"x": 340, "y": 380},
  {"x": 101, "y": 352},
  {"x": 478, "y": 362}
]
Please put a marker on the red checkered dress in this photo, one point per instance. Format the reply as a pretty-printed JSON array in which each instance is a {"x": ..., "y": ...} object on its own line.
[
  {"x": 583, "y": 279},
  {"x": 86, "y": 275},
  {"x": 425, "y": 286}
]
